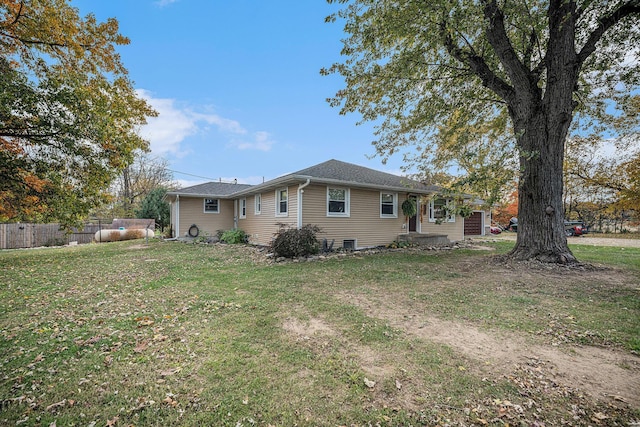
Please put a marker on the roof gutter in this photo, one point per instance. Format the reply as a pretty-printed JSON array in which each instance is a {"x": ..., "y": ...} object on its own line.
[{"x": 300, "y": 193}]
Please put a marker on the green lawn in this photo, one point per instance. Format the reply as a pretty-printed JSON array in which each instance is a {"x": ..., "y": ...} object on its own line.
[{"x": 180, "y": 334}]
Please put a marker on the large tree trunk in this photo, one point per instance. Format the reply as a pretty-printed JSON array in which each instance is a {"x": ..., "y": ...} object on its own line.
[{"x": 541, "y": 232}]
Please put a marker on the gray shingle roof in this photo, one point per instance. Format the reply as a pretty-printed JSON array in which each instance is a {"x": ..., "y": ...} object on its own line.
[
  {"x": 331, "y": 171},
  {"x": 350, "y": 173},
  {"x": 213, "y": 189}
]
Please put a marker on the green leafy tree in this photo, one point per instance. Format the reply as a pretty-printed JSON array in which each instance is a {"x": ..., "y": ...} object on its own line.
[
  {"x": 154, "y": 206},
  {"x": 68, "y": 112},
  {"x": 521, "y": 70}
]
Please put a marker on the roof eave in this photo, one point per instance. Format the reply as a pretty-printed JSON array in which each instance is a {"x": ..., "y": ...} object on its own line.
[
  {"x": 292, "y": 179},
  {"x": 215, "y": 196}
]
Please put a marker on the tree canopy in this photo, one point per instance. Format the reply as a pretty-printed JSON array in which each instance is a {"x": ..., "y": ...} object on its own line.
[
  {"x": 448, "y": 80},
  {"x": 69, "y": 115}
]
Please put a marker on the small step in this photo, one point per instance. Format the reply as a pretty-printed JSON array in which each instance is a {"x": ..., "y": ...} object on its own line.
[{"x": 427, "y": 239}]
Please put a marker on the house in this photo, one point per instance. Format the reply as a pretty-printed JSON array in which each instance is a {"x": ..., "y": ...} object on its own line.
[{"x": 356, "y": 207}]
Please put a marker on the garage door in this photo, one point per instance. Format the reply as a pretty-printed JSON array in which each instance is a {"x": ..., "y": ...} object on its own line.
[{"x": 473, "y": 225}]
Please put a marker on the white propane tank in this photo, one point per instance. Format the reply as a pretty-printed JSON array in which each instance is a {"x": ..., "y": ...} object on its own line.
[{"x": 115, "y": 235}]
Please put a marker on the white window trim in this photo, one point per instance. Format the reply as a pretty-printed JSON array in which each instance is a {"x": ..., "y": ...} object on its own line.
[
  {"x": 451, "y": 218},
  {"x": 278, "y": 213},
  {"x": 243, "y": 207},
  {"x": 204, "y": 206},
  {"x": 395, "y": 205},
  {"x": 257, "y": 202},
  {"x": 347, "y": 207}
]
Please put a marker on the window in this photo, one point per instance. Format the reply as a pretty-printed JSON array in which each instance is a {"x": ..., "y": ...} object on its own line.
[
  {"x": 243, "y": 208},
  {"x": 438, "y": 211},
  {"x": 349, "y": 245},
  {"x": 258, "y": 204},
  {"x": 282, "y": 202},
  {"x": 337, "y": 201},
  {"x": 388, "y": 205},
  {"x": 211, "y": 206}
]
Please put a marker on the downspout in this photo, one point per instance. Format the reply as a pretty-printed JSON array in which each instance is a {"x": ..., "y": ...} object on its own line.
[
  {"x": 235, "y": 214},
  {"x": 300, "y": 192},
  {"x": 177, "y": 230}
]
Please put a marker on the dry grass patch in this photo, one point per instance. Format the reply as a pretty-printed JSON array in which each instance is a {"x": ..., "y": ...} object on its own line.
[{"x": 177, "y": 334}]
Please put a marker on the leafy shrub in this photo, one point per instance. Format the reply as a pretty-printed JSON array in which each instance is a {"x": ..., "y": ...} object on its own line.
[
  {"x": 234, "y": 236},
  {"x": 396, "y": 244},
  {"x": 292, "y": 242},
  {"x": 203, "y": 237}
]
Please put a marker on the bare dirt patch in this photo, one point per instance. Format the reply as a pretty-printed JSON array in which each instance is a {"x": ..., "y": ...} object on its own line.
[
  {"x": 605, "y": 374},
  {"x": 137, "y": 247},
  {"x": 306, "y": 330}
]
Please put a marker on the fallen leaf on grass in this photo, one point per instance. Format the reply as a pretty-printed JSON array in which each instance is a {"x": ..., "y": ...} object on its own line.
[
  {"x": 145, "y": 322},
  {"x": 598, "y": 416},
  {"x": 169, "y": 372},
  {"x": 57, "y": 405},
  {"x": 170, "y": 401},
  {"x": 80, "y": 342},
  {"x": 369, "y": 383},
  {"x": 398, "y": 385},
  {"x": 141, "y": 346},
  {"x": 113, "y": 421}
]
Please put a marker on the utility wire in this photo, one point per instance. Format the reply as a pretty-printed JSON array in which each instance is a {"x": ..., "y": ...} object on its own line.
[{"x": 196, "y": 176}]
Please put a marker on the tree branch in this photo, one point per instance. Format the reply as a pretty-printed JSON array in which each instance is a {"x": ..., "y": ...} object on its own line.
[
  {"x": 606, "y": 22},
  {"x": 477, "y": 65},
  {"x": 497, "y": 35}
]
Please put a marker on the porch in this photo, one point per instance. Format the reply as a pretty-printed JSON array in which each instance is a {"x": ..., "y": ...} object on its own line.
[{"x": 424, "y": 239}]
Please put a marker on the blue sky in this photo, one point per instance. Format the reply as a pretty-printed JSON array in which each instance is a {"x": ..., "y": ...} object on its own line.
[{"x": 238, "y": 85}]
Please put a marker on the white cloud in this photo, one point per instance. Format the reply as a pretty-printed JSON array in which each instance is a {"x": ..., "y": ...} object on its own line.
[
  {"x": 163, "y": 3},
  {"x": 260, "y": 141},
  {"x": 223, "y": 124},
  {"x": 174, "y": 124}
]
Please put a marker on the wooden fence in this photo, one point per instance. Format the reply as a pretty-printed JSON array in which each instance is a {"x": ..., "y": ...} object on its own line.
[{"x": 21, "y": 235}]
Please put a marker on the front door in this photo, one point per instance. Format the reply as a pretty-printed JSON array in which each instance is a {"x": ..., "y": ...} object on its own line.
[{"x": 413, "y": 221}]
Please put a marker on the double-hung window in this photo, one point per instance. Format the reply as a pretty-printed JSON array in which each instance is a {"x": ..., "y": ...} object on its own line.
[
  {"x": 258, "y": 204},
  {"x": 282, "y": 202},
  {"x": 388, "y": 205},
  {"x": 211, "y": 206},
  {"x": 439, "y": 211},
  {"x": 337, "y": 201},
  {"x": 243, "y": 208}
]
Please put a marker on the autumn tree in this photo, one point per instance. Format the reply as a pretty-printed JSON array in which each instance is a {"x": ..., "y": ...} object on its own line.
[
  {"x": 602, "y": 184},
  {"x": 139, "y": 179},
  {"x": 523, "y": 69},
  {"x": 68, "y": 112}
]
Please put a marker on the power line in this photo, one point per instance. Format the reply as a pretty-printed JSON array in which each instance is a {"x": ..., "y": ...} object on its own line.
[{"x": 196, "y": 176}]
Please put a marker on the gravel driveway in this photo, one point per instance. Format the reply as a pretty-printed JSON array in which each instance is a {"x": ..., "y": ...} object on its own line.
[{"x": 587, "y": 240}]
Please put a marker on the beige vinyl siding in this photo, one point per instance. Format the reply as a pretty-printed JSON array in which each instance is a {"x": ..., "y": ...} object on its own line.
[
  {"x": 364, "y": 223},
  {"x": 192, "y": 212},
  {"x": 261, "y": 228},
  {"x": 454, "y": 230}
]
